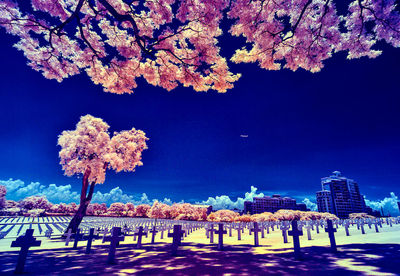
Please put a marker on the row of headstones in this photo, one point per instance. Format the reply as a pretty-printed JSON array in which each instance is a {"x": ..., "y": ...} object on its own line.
[
  {"x": 27, "y": 241},
  {"x": 86, "y": 225},
  {"x": 284, "y": 226},
  {"x": 257, "y": 228},
  {"x": 59, "y": 220},
  {"x": 49, "y": 232},
  {"x": 42, "y": 227},
  {"x": 137, "y": 231},
  {"x": 8, "y": 220},
  {"x": 16, "y": 224},
  {"x": 128, "y": 225},
  {"x": 254, "y": 228},
  {"x": 133, "y": 223}
]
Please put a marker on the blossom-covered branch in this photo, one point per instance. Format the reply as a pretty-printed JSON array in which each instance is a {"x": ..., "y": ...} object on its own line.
[{"x": 172, "y": 42}]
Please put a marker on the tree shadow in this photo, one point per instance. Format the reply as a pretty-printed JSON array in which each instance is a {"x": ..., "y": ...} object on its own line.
[{"x": 193, "y": 259}]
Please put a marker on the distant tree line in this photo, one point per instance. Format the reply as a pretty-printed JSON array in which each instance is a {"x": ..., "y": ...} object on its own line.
[{"x": 39, "y": 206}]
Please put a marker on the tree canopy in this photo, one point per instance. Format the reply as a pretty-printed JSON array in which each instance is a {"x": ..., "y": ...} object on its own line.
[
  {"x": 89, "y": 150},
  {"x": 172, "y": 42}
]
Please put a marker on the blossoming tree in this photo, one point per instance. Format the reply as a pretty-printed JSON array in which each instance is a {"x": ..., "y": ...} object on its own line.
[
  {"x": 141, "y": 210},
  {"x": 159, "y": 211},
  {"x": 130, "y": 209},
  {"x": 172, "y": 42},
  {"x": 90, "y": 151},
  {"x": 117, "y": 209},
  {"x": 35, "y": 202}
]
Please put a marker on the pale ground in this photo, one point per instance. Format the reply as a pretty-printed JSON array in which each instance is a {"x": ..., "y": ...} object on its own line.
[{"x": 369, "y": 254}]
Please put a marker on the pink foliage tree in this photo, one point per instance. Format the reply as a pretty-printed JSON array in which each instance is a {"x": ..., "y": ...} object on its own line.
[
  {"x": 159, "y": 211},
  {"x": 90, "y": 210},
  {"x": 244, "y": 218},
  {"x": 117, "y": 209},
  {"x": 58, "y": 208},
  {"x": 130, "y": 209},
  {"x": 96, "y": 209},
  {"x": 90, "y": 151},
  {"x": 223, "y": 215},
  {"x": 141, "y": 210},
  {"x": 35, "y": 202},
  {"x": 303, "y": 33},
  {"x": 186, "y": 211},
  {"x": 172, "y": 42},
  {"x": 72, "y": 208},
  {"x": 11, "y": 204},
  {"x": 359, "y": 216}
]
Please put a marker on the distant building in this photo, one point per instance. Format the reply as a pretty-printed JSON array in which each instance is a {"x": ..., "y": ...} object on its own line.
[
  {"x": 340, "y": 196},
  {"x": 324, "y": 202},
  {"x": 272, "y": 204}
]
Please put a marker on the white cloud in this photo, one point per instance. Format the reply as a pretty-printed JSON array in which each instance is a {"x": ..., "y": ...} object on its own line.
[
  {"x": 388, "y": 204},
  {"x": 115, "y": 195},
  {"x": 143, "y": 200},
  {"x": 60, "y": 193},
  {"x": 224, "y": 201},
  {"x": 310, "y": 205},
  {"x": 17, "y": 190},
  {"x": 12, "y": 185},
  {"x": 28, "y": 190}
]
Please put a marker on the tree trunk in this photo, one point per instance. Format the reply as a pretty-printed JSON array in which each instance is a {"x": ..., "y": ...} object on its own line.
[
  {"x": 84, "y": 202},
  {"x": 77, "y": 219}
]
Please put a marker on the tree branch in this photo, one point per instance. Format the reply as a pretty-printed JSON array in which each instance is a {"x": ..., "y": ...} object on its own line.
[{"x": 126, "y": 17}]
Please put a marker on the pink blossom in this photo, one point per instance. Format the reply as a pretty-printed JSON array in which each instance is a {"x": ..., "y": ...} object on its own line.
[
  {"x": 170, "y": 47},
  {"x": 90, "y": 146},
  {"x": 117, "y": 209},
  {"x": 141, "y": 210},
  {"x": 35, "y": 202},
  {"x": 223, "y": 215}
]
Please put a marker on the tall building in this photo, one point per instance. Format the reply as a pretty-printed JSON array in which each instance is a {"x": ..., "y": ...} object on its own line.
[
  {"x": 324, "y": 202},
  {"x": 272, "y": 204},
  {"x": 340, "y": 196}
]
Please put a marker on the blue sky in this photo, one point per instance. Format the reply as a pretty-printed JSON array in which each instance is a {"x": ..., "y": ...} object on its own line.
[{"x": 300, "y": 126}]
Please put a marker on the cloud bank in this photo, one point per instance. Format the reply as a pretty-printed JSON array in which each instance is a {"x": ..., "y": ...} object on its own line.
[
  {"x": 388, "y": 204},
  {"x": 224, "y": 201},
  {"x": 17, "y": 190},
  {"x": 117, "y": 195}
]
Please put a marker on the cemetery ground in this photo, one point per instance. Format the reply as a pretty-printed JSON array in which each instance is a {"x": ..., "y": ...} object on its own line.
[{"x": 358, "y": 254}]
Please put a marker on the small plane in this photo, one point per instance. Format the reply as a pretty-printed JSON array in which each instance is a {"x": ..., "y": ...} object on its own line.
[{"x": 244, "y": 135}]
